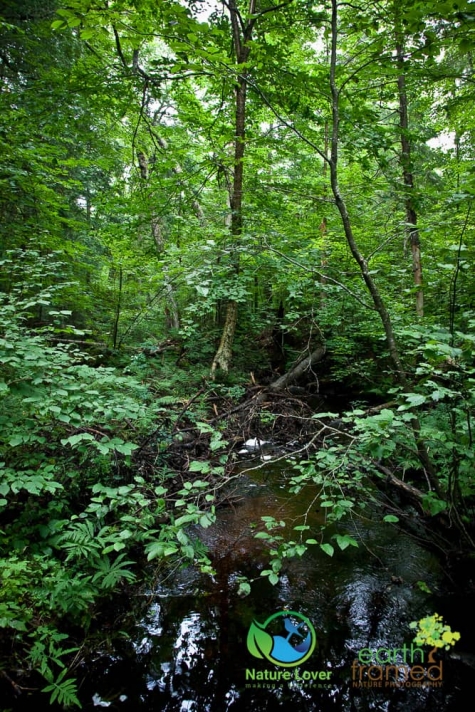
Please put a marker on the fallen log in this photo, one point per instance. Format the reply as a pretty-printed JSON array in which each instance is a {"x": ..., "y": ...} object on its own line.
[
  {"x": 409, "y": 490},
  {"x": 297, "y": 371}
]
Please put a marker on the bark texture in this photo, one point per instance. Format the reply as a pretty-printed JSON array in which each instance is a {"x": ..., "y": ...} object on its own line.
[
  {"x": 408, "y": 179},
  {"x": 224, "y": 353},
  {"x": 363, "y": 265},
  {"x": 242, "y": 35},
  {"x": 298, "y": 370}
]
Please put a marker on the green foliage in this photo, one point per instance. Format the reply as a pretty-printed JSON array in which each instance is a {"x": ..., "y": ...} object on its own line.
[
  {"x": 115, "y": 176},
  {"x": 422, "y": 586},
  {"x": 62, "y": 690},
  {"x": 68, "y": 530}
]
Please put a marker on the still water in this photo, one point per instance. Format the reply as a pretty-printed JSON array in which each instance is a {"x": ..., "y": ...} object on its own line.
[
  {"x": 188, "y": 651},
  {"x": 182, "y": 646}
]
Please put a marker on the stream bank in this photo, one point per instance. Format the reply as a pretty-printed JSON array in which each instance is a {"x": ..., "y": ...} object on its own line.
[
  {"x": 189, "y": 651},
  {"x": 187, "y": 648}
]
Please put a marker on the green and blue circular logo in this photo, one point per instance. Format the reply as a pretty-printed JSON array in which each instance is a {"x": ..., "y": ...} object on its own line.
[{"x": 286, "y": 638}]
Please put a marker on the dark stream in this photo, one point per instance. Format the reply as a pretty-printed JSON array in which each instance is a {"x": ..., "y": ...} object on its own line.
[{"x": 188, "y": 651}]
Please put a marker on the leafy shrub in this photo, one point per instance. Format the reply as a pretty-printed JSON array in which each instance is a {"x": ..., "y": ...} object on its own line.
[{"x": 66, "y": 534}]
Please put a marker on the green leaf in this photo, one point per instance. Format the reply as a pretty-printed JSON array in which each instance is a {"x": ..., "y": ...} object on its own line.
[
  {"x": 155, "y": 550},
  {"x": 75, "y": 439},
  {"x": 433, "y": 504},
  {"x": 244, "y": 589},
  {"x": 198, "y": 466},
  {"x": 58, "y": 25},
  {"x": 206, "y": 521},
  {"x": 87, "y": 33},
  {"x": 390, "y": 518},
  {"x": 425, "y": 588},
  {"x": 415, "y": 399},
  {"x": 344, "y": 541},
  {"x": 328, "y": 549},
  {"x": 182, "y": 537}
]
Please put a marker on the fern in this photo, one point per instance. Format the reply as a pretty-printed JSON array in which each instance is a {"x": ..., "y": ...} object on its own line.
[
  {"x": 110, "y": 573},
  {"x": 72, "y": 594},
  {"x": 81, "y": 541},
  {"x": 63, "y": 691},
  {"x": 166, "y": 400}
]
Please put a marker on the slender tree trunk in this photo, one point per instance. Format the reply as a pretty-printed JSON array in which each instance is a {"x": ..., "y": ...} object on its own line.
[
  {"x": 345, "y": 218},
  {"x": 115, "y": 331},
  {"x": 172, "y": 311},
  {"x": 323, "y": 224},
  {"x": 173, "y": 315},
  {"x": 241, "y": 38},
  {"x": 178, "y": 170},
  {"x": 360, "y": 260},
  {"x": 408, "y": 179},
  {"x": 222, "y": 359}
]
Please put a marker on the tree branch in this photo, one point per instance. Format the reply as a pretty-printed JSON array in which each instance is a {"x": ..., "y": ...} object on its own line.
[
  {"x": 285, "y": 122},
  {"x": 321, "y": 275},
  {"x": 119, "y": 47},
  {"x": 274, "y": 8}
]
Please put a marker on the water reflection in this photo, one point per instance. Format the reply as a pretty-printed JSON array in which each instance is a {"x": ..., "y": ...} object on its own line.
[{"x": 189, "y": 650}]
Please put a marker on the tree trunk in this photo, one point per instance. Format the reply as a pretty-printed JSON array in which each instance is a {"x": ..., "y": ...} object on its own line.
[
  {"x": 173, "y": 316},
  {"x": 323, "y": 224},
  {"x": 408, "y": 179},
  {"x": 224, "y": 353},
  {"x": 178, "y": 170},
  {"x": 241, "y": 38},
  {"x": 172, "y": 312},
  {"x": 115, "y": 330},
  {"x": 363, "y": 265}
]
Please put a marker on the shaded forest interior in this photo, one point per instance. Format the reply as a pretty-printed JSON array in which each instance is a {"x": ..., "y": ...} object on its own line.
[{"x": 223, "y": 222}]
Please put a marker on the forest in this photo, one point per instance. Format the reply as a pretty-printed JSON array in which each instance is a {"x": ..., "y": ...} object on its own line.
[{"x": 225, "y": 222}]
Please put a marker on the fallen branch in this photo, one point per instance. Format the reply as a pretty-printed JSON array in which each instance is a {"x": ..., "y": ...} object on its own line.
[
  {"x": 298, "y": 371},
  {"x": 411, "y": 491}
]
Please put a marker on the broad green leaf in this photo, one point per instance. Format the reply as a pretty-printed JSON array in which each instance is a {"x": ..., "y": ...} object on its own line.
[
  {"x": 244, "y": 589},
  {"x": 328, "y": 549}
]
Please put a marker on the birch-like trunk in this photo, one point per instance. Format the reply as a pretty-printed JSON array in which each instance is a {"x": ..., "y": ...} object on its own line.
[{"x": 173, "y": 315}]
